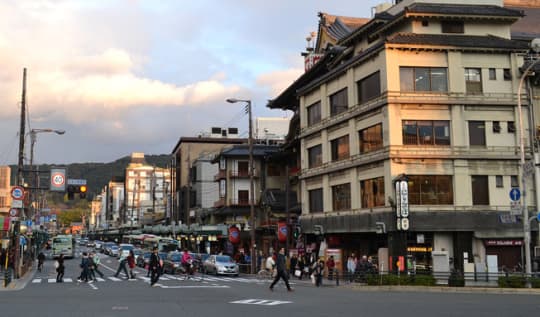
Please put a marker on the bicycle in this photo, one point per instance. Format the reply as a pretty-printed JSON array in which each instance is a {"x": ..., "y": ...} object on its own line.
[
  {"x": 265, "y": 275},
  {"x": 190, "y": 270}
]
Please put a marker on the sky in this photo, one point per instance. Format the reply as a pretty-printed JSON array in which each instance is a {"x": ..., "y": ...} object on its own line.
[{"x": 123, "y": 76}]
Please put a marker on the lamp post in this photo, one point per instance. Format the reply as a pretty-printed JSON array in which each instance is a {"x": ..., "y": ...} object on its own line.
[
  {"x": 252, "y": 184},
  {"x": 525, "y": 212},
  {"x": 33, "y": 139}
]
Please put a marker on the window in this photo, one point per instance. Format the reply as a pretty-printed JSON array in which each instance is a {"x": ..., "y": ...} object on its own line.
[
  {"x": 371, "y": 138},
  {"x": 222, "y": 163},
  {"x": 507, "y": 74},
  {"x": 492, "y": 74},
  {"x": 477, "y": 133},
  {"x": 341, "y": 197},
  {"x": 452, "y": 27},
  {"x": 514, "y": 181},
  {"x": 339, "y": 102},
  {"x": 372, "y": 192},
  {"x": 314, "y": 113},
  {"x": 316, "y": 200},
  {"x": 431, "y": 190},
  {"x": 369, "y": 87},
  {"x": 315, "y": 156},
  {"x": 480, "y": 190},
  {"x": 243, "y": 197},
  {"x": 511, "y": 126},
  {"x": 496, "y": 127},
  {"x": 423, "y": 79},
  {"x": 3, "y": 201},
  {"x": 273, "y": 170},
  {"x": 222, "y": 188},
  {"x": 425, "y": 23},
  {"x": 473, "y": 80},
  {"x": 243, "y": 168},
  {"x": 499, "y": 181},
  {"x": 426, "y": 132},
  {"x": 340, "y": 148}
]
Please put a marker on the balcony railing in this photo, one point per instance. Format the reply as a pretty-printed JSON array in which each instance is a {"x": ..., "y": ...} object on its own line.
[{"x": 220, "y": 175}]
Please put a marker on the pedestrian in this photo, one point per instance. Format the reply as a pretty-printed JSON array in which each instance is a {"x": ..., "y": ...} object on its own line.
[
  {"x": 41, "y": 259},
  {"x": 85, "y": 269},
  {"x": 155, "y": 266},
  {"x": 318, "y": 271},
  {"x": 122, "y": 266},
  {"x": 131, "y": 263},
  {"x": 281, "y": 267},
  {"x": 351, "y": 266},
  {"x": 293, "y": 264},
  {"x": 97, "y": 261},
  {"x": 60, "y": 269},
  {"x": 331, "y": 265},
  {"x": 3, "y": 256},
  {"x": 301, "y": 266}
]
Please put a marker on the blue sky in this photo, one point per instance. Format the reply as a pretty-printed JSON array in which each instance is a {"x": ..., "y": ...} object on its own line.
[{"x": 124, "y": 76}]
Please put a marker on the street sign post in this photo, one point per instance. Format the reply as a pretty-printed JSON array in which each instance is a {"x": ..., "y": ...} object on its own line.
[{"x": 17, "y": 192}]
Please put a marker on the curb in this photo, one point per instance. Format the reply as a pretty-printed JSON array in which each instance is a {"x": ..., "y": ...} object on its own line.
[
  {"x": 445, "y": 289},
  {"x": 20, "y": 283}
]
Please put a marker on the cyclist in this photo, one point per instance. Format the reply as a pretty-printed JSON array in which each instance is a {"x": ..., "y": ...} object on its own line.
[
  {"x": 187, "y": 262},
  {"x": 41, "y": 259}
]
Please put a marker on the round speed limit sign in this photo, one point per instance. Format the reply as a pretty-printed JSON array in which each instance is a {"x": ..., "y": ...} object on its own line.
[{"x": 58, "y": 180}]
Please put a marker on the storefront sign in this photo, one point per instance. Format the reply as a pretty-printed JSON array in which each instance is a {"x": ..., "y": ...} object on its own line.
[
  {"x": 503, "y": 243},
  {"x": 419, "y": 249}
]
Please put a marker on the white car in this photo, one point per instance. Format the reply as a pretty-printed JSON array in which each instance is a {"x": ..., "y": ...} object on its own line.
[
  {"x": 124, "y": 249},
  {"x": 220, "y": 264}
]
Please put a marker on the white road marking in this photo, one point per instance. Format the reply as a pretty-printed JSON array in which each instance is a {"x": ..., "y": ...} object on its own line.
[
  {"x": 194, "y": 286},
  {"x": 265, "y": 302},
  {"x": 36, "y": 280},
  {"x": 112, "y": 278},
  {"x": 93, "y": 286}
]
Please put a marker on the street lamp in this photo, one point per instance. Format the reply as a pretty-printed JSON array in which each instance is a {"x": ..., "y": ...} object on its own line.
[
  {"x": 33, "y": 139},
  {"x": 252, "y": 184},
  {"x": 525, "y": 212}
]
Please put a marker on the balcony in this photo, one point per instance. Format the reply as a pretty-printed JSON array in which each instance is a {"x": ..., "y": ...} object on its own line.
[
  {"x": 242, "y": 174},
  {"x": 220, "y": 175}
]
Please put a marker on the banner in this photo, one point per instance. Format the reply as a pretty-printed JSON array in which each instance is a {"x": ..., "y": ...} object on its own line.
[{"x": 4, "y": 223}]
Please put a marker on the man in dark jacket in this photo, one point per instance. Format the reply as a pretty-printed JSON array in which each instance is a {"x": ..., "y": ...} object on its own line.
[
  {"x": 155, "y": 267},
  {"x": 281, "y": 268}
]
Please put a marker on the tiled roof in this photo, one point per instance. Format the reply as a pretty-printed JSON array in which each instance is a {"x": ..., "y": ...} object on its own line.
[
  {"x": 462, "y": 9},
  {"x": 470, "y": 41},
  {"x": 527, "y": 27}
]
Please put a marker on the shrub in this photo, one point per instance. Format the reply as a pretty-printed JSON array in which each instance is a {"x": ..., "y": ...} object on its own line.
[{"x": 512, "y": 281}]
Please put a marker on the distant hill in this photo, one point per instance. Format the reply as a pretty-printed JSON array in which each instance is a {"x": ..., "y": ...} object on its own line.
[{"x": 97, "y": 175}]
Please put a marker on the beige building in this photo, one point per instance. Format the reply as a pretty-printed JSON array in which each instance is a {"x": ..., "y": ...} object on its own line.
[
  {"x": 5, "y": 190},
  {"x": 425, "y": 92}
]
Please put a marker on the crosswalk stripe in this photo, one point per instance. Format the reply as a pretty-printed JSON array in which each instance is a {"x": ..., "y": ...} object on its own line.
[
  {"x": 112, "y": 278},
  {"x": 68, "y": 280},
  {"x": 51, "y": 280},
  {"x": 36, "y": 280},
  {"x": 100, "y": 279}
]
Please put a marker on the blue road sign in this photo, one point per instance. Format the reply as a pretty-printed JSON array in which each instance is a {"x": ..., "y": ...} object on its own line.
[
  {"x": 515, "y": 194},
  {"x": 538, "y": 217}
]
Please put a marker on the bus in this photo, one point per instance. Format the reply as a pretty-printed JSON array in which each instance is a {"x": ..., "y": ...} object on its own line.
[
  {"x": 163, "y": 244},
  {"x": 136, "y": 239},
  {"x": 63, "y": 244}
]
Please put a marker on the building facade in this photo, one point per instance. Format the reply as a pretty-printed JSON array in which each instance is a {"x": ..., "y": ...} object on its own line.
[{"x": 425, "y": 93}]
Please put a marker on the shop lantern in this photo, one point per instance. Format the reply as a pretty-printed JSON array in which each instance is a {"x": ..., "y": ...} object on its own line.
[
  {"x": 234, "y": 235},
  {"x": 282, "y": 231}
]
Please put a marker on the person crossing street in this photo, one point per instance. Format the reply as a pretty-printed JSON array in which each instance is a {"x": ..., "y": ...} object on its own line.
[{"x": 281, "y": 268}]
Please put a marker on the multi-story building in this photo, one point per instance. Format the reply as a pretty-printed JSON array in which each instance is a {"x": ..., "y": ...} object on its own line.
[
  {"x": 112, "y": 206},
  {"x": 234, "y": 207},
  {"x": 423, "y": 93},
  {"x": 203, "y": 185},
  {"x": 146, "y": 192},
  {"x": 185, "y": 152}
]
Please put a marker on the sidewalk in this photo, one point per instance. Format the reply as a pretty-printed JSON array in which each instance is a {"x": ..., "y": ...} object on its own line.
[{"x": 18, "y": 284}]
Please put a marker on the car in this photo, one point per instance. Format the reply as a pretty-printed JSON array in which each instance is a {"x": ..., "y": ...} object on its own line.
[
  {"x": 90, "y": 244},
  {"x": 220, "y": 264},
  {"x": 124, "y": 249},
  {"x": 114, "y": 250},
  {"x": 107, "y": 247},
  {"x": 143, "y": 259},
  {"x": 137, "y": 252},
  {"x": 98, "y": 245},
  {"x": 172, "y": 264}
]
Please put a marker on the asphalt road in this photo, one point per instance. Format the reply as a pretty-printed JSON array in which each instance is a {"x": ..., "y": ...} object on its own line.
[{"x": 239, "y": 297}]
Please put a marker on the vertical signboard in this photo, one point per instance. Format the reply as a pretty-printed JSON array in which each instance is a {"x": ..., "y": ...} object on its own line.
[
  {"x": 402, "y": 205},
  {"x": 58, "y": 180}
]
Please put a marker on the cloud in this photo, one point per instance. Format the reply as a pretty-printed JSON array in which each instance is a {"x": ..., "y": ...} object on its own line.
[{"x": 278, "y": 81}]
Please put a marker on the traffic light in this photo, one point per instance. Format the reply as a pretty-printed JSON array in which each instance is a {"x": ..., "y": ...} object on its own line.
[
  {"x": 82, "y": 191},
  {"x": 296, "y": 232},
  {"x": 76, "y": 189}
]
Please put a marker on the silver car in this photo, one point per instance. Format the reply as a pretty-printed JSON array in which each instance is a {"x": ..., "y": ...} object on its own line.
[{"x": 220, "y": 264}]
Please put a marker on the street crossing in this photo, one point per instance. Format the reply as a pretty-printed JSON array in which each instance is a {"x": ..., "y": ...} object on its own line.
[{"x": 165, "y": 277}]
